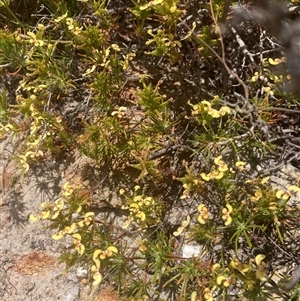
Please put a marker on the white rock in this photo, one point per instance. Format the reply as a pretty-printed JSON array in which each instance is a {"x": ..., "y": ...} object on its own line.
[{"x": 189, "y": 251}]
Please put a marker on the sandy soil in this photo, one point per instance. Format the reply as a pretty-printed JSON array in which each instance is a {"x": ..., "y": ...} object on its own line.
[{"x": 29, "y": 258}]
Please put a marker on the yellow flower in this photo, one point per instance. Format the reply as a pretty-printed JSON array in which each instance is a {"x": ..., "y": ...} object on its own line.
[
  {"x": 61, "y": 18},
  {"x": 23, "y": 162},
  {"x": 222, "y": 166},
  {"x": 226, "y": 281},
  {"x": 264, "y": 180},
  {"x": 206, "y": 104},
  {"x": 141, "y": 215},
  {"x": 213, "y": 113},
  {"x": 226, "y": 214},
  {"x": 257, "y": 196},
  {"x": 217, "y": 174},
  {"x": 88, "y": 217},
  {"x": 96, "y": 274},
  {"x": 241, "y": 267},
  {"x": 273, "y": 206},
  {"x": 224, "y": 110},
  {"x": 208, "y": 294},
  {"x": 206, "y": 177},
  {"x": 240, "y": 165},
  {"x": 59, "y": 205},
  {"x": 77, "y": 243},
  {"x": 137, "y": 187},
  {"x": 33, "y": 218},
  {"x": 284, "y": 195},
  {"x": 67, "y": 189},
  {"x": 102, "y": 254},
  {"x": 142, "y": 248},
  {"x": 34, "y": 39},
  {"x": 184, "y": 224},
  {"x": 126, "y": 223},
  {"x": 274, "y": 62},
  {"x": 64, "y": 232},
  {"x": 148, "y": 201},
  {"x": 203, "y": 214},
  {"x": 255, "y": 77},
  {"x": 268, "y": 90},
  {"x": 215, "y": 267},
  {"x": 111, "y": 250},
  {"x": 294, "y": 188},
  {"x": 261, "y": 267},
  {"x": 120, "y": 112}
]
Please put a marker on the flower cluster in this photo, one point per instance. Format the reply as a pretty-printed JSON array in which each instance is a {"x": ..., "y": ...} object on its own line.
[
  {"x": 227, "y": 214},
  {"x": 203, "y": 214},
  {"x": 259, "y": 267},
  {"x": 86, "y": 220},
  {"x": 53, "y": 211},
  {"x": 120, "y": 112},
  {"x": 142, "y": 210},
  {"x": 101, "y": 255},
  {"x": 205, "y": 107},
  {"x": 217, "y": 171},
  {"x": 71, "y": 24},
  {"x": 24, "y": 159},
  {"x": 50, "y": 211},
  {"x": 184, "y": 224}
]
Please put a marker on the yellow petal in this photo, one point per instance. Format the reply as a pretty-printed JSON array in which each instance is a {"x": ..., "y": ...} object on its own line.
[
  {"x": 206, "y": 103},
  {"x": 265, "y": 180},
  {"x": 205, "y": 176},
  {"x": 220, "y": 279},
  {"x": 186, "y": 222},
  {"x": 259, "y": 258},
  {"x": 82, "y": 249},
  {"x": 96, "y": 253},
  {"x": 219, "y": 175},
  {"x": 71, "y": 228},
  {"x": 89, "y": 214},
  {"x": 294, "y": 188},
  {"x": 45, "y": 214},
  {"x": 274, "y": 62},
  {"x": 217, "y": 160},
  {"x": 279, "y": 194},
  {"x": 173, "y": 9},
  {"x": 77, "y": 236},
  {"x": 200, "y": 207},
  {"x": 97, "y": 263},
  {"x": 97, "y": 278},
  {"x": 229, "y": 208},
  {"x": 112, "y": 249},
  {"x": 201, "y": 220},
  {"x": 57, "y": 236},
  {"x": 179, "y": 231},
  {"x": 31, "y": 34},
  {"x": 193, "y": 296},
  {"x": 228, "y": 221},
  {"x": 81, "y": 224},
  {"x": 214, "y": 113},
  {"x": 33, "y": 218},
  {"x": 224, "y": 110},
  {"x": 261, "y": 275},
  {"x": 215, "y": 267}
]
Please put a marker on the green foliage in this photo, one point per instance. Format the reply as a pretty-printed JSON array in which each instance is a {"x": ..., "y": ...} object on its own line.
[{"x": 118, "y": 91}]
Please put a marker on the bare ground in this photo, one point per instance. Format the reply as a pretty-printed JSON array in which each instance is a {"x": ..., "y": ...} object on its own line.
[{"x": 29, "y": 258}]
